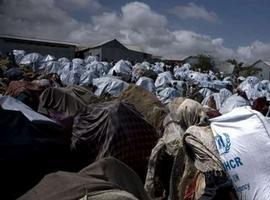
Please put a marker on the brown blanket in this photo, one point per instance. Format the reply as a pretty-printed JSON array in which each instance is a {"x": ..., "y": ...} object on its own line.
[
  {"x": 16, "y": 87},
  {"x": 146, "y": 103},
  {"x": 108, "y": 174},
  {"x": 69, "y": 100},
  {"x": 114, "y": 129}
]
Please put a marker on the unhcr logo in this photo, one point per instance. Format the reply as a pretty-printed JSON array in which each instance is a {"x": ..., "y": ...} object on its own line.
[{"x": 223, "y": 143}]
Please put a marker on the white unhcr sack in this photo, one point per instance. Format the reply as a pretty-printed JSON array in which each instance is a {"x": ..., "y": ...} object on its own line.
[{"x": 243, "y": 139}]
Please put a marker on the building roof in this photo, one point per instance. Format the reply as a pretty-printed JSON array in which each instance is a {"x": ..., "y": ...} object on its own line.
[
  {"x": 263, "y": 61},
  {"x": 36, "y": 40},
  {"x": 115, "y": 42},
  {"x": 133, "y": 47},
  {"x": 267, "y": 62}
]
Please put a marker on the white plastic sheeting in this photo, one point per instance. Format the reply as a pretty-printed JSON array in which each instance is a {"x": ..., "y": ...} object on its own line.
[
  {"x": 198, "y": 77},
  {"x": 205, "y": 92},
  {"x": 243, "y": 140},
  {"x": 121, "y": 67},
  {"x": 264, "y": 85},
  {"x": 18, "y": 54},
  {"x": 145, "y": 65},
  {"x": 10, "y": 103},
  {"x": 76, "y": 71},
  {"x": 32, "y": 59},
  {"x": 218, "y": 97},
  {"x": 212, "y": 76},
  {"x": 137, "y": 71},
  {"x": 77, "y": 66},
  {"x": 70, "y": 78},
  {"x": 255, "y": 88},
  {"x": 100, "y": 69},
  {"x": 252, "y": 80},
  {"x": 249, "y": 82},
  {"x": 63, "y": 60},
  {"x": 164, "y": 79},
  {"x": 147, "y": 83},
  {"x": 211, "y": 73},
  {"x": 90, "y": 59},
  {"x": 179, "y": 85},
  {"x": 65, "y": 68},
  {"x": 48, "y": 64},
  {"x": 168, "y": 94},
  {"x": 48, "y": 58},
  {"x": 158, "y": 67},
  {"x": 182, "y": 72},
  {"x": 216, "y": 84},
  {"x": 250, "y": 86},
  {"x": 241, "y": 78},
  {"x": 184, "y": 67},
  {"x": 253, "y": 94},
  {"x": 232, "y": 102},
  {"x": 78, "y": 61},
  {"x": 87, "y": 77},
  {"x": 227, "y": 78},
  {"x": 224, "y": 94},
  {"x": 139, "y": 66},
  {"x": 51, "y": 67},
  {"x": 107, "y": 65},
  {"x": 109, "y": 85}
]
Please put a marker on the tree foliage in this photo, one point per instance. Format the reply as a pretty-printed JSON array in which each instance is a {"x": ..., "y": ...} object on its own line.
[
  {"x": 249, "y": 71},
  {"x": 241, "y": 70},
  {"x": 204, "y": 62},
  {"x": 238, "y": 66}
]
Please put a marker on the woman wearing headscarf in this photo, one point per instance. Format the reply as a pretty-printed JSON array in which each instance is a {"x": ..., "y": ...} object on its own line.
[
  {"x": 164, "y": 153},
  {"x": 198, "y": 172}
]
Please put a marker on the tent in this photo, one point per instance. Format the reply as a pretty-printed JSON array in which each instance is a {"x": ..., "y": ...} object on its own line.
[
  {"x": 27, "y": 153},
  {"x": 69, "y": 100},
  {"x": 114, "y": 129},
  {"x": 149, "y": 106},
  {"x": 105, "y": 179}
]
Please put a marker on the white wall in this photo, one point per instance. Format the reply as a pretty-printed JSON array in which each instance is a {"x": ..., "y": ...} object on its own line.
[{"x": 265, "y": 73}]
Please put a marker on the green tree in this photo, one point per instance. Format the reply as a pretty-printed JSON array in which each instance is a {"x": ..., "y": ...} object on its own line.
[
  {"x": 238, "y": 66},
  {"x": 249, "y": 71},
  {"x": 204, "y": 62}
]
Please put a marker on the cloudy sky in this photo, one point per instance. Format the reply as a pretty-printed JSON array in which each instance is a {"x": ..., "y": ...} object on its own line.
[{"x": 172, "y": 29}]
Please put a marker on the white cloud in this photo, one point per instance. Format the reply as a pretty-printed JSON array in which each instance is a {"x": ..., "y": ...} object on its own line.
[
  {"x": 139, "y": 25},
  {"x": 136, "y": 24},
  {"x": 253, "y": 52},
  {"x": 190, "y": 43},
  {"x": 35, "y": 18},
  {"x": 193, "y": 11}
]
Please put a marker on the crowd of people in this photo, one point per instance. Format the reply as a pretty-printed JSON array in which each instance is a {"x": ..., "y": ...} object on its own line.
[{"x": 86, "y": 129}]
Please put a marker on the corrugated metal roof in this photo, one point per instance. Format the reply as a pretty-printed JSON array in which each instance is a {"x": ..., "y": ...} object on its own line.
[
  {"x": 263, "y": 61},
  {"x": 133, "y": 47},
  {"x": 16, "y": 37},
  {"x": 267, "y": 62},
  {"x": 127, "y": 46}
]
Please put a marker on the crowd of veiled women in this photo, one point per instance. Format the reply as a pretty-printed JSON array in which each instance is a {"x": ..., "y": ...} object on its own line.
[{"x": 85, "y": 129}]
